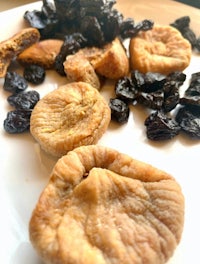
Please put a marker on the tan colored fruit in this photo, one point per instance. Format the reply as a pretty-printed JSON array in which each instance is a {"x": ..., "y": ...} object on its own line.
[
  {"x": 161, "y": 49},
  {"x": 78, "y": 68},
  {"x": 42, "y": 53},
  {"x": 111, "y": 62},
  {"x": 104, "y": 207},
  {"x": 13, "y": 46},
  {"x": 75, "y": 114}
]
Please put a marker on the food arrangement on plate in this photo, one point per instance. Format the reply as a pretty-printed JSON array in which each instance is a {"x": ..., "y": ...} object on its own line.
[{"x": 94, "y": 190}]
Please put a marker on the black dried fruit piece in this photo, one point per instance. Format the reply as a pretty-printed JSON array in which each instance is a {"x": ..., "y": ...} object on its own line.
[
  {"x": 189, "y": 120},
  {"x": 197, "y": 45},
  {"x": 17, "y": 121},
  {"x": 72, "y": 43},
  {"x": 171, "y": 98},
  {"x": 91, "y": 30},
  {"x": 149, "y": 82},
  {"x": 181, "y": 23},
  {"x": 190, "y": 100},
  {"x": 14, "y": 82},
  {"x": 194, "y": 86},
  {"x": 25, "y": 100},
  {"x": 125, "y": 89},
  {"x": 161, "y": 127},
  {"x": 34, "y": 74},
  {"x": 189, "y": 34},
  {"x": 152, "y": 100},
  {"x": 119, "y": 110}
]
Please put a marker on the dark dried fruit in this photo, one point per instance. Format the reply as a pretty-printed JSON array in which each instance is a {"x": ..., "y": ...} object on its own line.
[
  {"x": 149, "y": 82},
  {"x": 189, "y": 120},
  {"x": 171, "y": 98},
  {"x": 183, "y": 25},
  {"x": 24, "y": 101},
  {"x": 14, "y": 82},
  {"x": 72, "y": 43},
  {"x": 153, "y": 100},
  {"x": 161, "y": 127},
  {"x": 125, "y": 89},
  {"x": 128, "y": 28},
  {"x": 34, "y": 74},
  {"x": 119, "y": 110},
  {"x": 17, "y": 121},
  {"x": 194, "y": 87}
]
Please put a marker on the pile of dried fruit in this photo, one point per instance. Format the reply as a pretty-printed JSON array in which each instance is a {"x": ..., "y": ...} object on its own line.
[{"x": 161, "y": 94}]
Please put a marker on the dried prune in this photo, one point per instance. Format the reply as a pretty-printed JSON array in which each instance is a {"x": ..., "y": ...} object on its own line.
[
  {"x": 17, "y": 121},
  {"x": 125, "y": 89},
  {"x": 119, "y": 110},
  {"x": 34, "y": 74},
  {"x": 189, "y": 120},
  {"x": 25, "y": 100},
  {"x": 14, "y": 82},
  {"x": 161, "y": 127}
]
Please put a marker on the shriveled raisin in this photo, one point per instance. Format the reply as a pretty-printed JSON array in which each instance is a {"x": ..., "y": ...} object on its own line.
[
  {"x": 14, "y": 82},
  {"x": 17, "y": 121},
  {"x": 25, "y": 100},
  {"x": 161, "y": 127},
  {"x": 188, "y": 118},
  {"x": 125, "y": 89},
  {"x": 119, "y": 110},
  {"x": 34, "y": 74}
]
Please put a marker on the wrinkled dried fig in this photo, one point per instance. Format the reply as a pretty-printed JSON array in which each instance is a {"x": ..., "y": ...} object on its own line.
[{"x": 104, "y": 207}]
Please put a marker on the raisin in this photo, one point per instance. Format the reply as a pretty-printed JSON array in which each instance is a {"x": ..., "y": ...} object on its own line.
[
  {"x": 119, "y": 110},
  {"x": 125, "y": 89},
  {"x": 171, "y": 98},
  {"x": 14, "y": 82},
  {"x": 197, "y": 45},
  {"x": 194, "y": 86},
  {"x": 17, "y": 121},
  {"x": 34, "y": 74},
  {"x": 183, "y": 25},
  {"x": 189, "y": 120},
  {"x": 149, "y": 82},
  {"x": 161, "y": 127},
  {"x": 128, "y": 28},
  {"x": 152, "y": 100},
  {"x": 25, "y": 101}
]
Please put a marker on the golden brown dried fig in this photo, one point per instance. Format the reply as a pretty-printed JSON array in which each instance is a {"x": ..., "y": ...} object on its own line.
[
  {"x": 42, "y": 53},
  {"x": 162, "y": 49},
  {"x": 12, "y": 47},
  {"x": 104, "y": 207},
  {"x": 111, "y": 62},
  {"x": 75, "y": 114}
]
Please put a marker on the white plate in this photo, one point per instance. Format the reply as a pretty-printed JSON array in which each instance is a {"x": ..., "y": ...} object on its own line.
[{"x": 25, "y": 168}]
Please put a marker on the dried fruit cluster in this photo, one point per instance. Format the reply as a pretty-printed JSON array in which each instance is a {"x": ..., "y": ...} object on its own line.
[{"x": 161, "y": 94}]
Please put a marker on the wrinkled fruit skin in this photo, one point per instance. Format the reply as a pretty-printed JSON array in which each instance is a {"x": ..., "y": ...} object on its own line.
[{"x": 101, "y": 206}]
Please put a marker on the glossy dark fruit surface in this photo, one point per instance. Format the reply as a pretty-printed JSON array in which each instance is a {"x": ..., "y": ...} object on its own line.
[
  {"x": 17, "y": 121},
  {"x": 14, "y": 82},
  {"x": 119, "y": 110},
  {"x": 34, "y": 74},
  {"x": 25, "y": 100}
]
